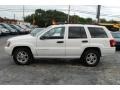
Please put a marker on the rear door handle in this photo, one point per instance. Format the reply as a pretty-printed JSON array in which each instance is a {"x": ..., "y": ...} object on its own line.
[
  {"x": 60, "y": 41},
  {"x": 85, "y": 41}
]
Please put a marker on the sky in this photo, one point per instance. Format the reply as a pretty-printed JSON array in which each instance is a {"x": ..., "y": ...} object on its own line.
[{"x": 86, "y": 11}]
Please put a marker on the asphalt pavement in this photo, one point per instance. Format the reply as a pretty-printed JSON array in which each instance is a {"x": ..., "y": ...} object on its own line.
[{"x": 58, "y": 71}]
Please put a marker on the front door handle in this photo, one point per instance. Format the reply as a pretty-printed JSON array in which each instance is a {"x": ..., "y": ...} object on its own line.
[
  {"x": 85, "y": 41},
  {"x": 60, "y": 41}
]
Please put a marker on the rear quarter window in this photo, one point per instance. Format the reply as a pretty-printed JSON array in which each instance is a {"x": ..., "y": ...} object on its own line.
[{"x": 97, "y": 32}]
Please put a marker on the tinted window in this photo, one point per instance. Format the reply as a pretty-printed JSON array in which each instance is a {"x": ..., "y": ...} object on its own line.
[
  {"x": 77, "y": 32},
  {"x": 97, "y": 32},
  {"x": 55, "y": 33}
]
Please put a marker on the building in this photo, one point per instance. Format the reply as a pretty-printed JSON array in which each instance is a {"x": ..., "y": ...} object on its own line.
[{"x": 9, "y": 21}]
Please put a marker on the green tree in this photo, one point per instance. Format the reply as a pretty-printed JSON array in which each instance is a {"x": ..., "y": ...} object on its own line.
[
  {"x": 44, "y": 18},
  {"x": 103, "y": 20},
  {"x": 89, "y": 20}
]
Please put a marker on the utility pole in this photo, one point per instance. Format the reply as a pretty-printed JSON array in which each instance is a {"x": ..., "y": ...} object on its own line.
[
  {"x": 33, "y": 22},
  {"x": 74, "y": 19},
  {"x": 23, "y": 12},
  {"x": 68, "y": 19},
  {"x": 98, "y": 14},
  {"x": 14, "y": 16}
]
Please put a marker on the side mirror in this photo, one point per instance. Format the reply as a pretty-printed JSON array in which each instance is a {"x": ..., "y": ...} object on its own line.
[{"x": 43, "y": 37}]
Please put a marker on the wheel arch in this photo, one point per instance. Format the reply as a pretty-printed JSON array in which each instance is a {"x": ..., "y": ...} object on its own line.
[
  {"x": 21, "y": 47},
  {"x": 92, "y": 48}
]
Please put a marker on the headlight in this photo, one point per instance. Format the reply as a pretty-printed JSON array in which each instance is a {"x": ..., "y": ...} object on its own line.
[
  {"x": 8, "y": 43},
  {"x": 3, "y": 30}
]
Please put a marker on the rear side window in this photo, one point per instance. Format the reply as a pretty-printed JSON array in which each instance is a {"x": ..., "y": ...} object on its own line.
[
  {"x": 97, "y": 32},
  {"x": 76, "y": 32}
]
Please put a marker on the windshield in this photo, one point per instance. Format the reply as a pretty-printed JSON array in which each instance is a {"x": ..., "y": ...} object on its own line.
[
  {"x": 8, "y": 27},
  {"x": 23, "y": 26},
  {"x": 18, "y": 27},
  {"x": 35, "y": 31},
  {"x": 116, "y": 35},
  {"x": 1, "y": 26},
  {"x": 15, "y": 27}
]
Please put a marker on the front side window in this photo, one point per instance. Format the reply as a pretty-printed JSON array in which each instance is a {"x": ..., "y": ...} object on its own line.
[
  {"x": 55, "y": 33},
  {"x": 76, "y": 32},
  {"x": 97, "y": 32}
]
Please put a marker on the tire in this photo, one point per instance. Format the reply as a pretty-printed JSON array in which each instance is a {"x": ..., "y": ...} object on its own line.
[
  {"x": 91, "y": 58},
  {"x": 22, "y": 56}
]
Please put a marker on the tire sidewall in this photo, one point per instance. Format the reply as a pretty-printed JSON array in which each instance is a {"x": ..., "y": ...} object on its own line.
[
  {"x": 91, "y": 51},
  {"x": 25, "y": 50}
]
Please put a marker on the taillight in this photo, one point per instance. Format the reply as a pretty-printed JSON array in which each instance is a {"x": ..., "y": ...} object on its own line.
[{"x": 112, "y": 43}]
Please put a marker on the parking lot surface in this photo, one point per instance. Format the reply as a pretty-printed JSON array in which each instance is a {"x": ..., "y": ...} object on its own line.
[{"x": 58, "y": 71}]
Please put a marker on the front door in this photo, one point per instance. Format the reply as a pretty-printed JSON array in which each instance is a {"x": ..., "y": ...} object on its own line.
[{"x": 52, "y": 43}]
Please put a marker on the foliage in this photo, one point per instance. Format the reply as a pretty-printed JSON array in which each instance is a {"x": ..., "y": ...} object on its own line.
[{"x": 44, "y": 18}]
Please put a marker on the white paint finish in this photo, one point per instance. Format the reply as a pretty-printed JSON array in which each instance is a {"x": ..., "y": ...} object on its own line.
[
  {"x": 50, "y": 47},
  {"x": 71, "y": 48}
]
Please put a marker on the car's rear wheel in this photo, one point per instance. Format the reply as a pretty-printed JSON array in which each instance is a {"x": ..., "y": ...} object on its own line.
[
  {"x": 91, "y": 58},
  {"x": 22, "y": 56}
]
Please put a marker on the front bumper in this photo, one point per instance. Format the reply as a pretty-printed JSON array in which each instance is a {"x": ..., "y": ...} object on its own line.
[
  {"x": 6, "y": 33},
  {"x": 8, "y": 50}
]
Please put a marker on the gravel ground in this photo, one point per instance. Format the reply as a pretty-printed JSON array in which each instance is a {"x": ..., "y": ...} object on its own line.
[{"x": 58, "y": 71}]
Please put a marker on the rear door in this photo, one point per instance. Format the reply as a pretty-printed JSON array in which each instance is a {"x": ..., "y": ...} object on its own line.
[{"x": 76, "y": 41}]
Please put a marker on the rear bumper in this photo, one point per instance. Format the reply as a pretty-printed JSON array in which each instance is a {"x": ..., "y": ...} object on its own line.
[{"x": 108, "y": 51}]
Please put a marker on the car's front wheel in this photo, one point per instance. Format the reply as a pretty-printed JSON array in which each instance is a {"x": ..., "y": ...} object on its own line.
[{"x": 22, "y": 56}]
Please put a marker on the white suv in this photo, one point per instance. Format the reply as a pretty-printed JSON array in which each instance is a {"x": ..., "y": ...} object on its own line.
[{"x": 87, "y": 42}]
